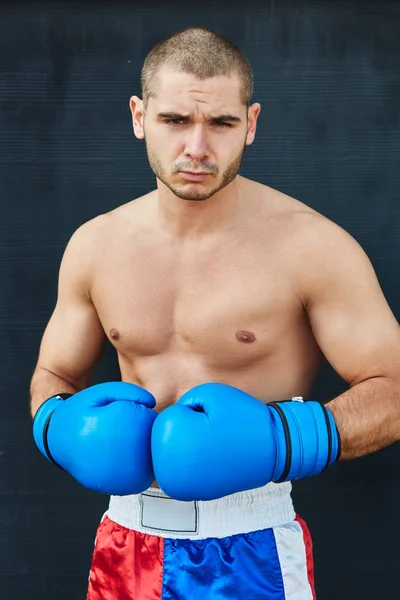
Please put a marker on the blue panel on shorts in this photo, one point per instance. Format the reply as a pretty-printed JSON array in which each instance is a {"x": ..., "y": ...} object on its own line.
[{"x": 239, "y": 567}]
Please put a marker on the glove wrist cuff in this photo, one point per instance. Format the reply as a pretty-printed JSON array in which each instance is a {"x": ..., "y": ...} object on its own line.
[
  {"x": 41, "y": 423},
  {"x": 308, "y": 441}
]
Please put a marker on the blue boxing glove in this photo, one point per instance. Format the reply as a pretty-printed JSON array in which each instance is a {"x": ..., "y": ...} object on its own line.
[
  {"x": 218, "y": 440},
  {"x": 101, "y": 436}
]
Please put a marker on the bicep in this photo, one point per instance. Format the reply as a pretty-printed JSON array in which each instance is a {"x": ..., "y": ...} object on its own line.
[
  {"x": 349, "y": 315},
  {"x": 74, "y": 338}
]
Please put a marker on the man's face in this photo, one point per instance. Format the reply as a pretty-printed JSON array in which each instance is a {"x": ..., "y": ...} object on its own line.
[{"x": 195, "y": 126}]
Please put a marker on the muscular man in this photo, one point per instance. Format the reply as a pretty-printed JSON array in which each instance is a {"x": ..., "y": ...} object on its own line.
[{"x": 220, "y": 296}]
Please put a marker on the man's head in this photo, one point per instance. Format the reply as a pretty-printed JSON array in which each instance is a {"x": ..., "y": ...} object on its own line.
[{"x": 195, "y": 114}]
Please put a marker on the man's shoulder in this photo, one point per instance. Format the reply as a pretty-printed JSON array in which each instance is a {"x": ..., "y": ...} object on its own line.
[
  {"x": 272, "y": 202},
  {"x": 274, "y": 205},
  {"x": 103, "y": 225},
  {"x": 280, "y": 204},
  {"x": 89, "y": 232},
  {"x": 301, "y": 226},
  {"x": 315, "y": 241}
]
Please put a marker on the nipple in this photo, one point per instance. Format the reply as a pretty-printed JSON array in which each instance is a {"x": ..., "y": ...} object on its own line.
[{"x": 245, "y": 336}]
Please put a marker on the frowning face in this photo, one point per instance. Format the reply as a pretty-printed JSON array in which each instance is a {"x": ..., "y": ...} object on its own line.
[{"x": 195, "y": 132}]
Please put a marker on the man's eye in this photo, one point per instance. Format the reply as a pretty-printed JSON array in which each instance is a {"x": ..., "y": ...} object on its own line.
[
  {"x": 219, "y": 124},
  {"x": 175, "y": 121}
]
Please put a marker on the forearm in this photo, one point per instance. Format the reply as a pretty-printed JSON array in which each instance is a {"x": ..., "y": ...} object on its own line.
[
  {"x": 45, "y": 384},
  {"x": 367, "y": 416}
]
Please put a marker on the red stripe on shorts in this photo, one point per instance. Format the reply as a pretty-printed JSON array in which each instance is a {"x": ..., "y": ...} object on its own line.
[
  {"x": 126, "y": 564},
  {"x": 309, "y": 553}
]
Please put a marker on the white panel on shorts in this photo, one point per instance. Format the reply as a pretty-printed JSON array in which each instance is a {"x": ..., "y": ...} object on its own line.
[{"x": 293, "y": 561}]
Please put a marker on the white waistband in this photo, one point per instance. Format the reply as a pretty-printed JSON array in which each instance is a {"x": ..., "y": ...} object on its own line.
[{"x": 156, "y": 513}]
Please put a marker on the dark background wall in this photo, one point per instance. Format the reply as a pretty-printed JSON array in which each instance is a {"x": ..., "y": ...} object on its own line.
[{"x": 327, "y": 76}]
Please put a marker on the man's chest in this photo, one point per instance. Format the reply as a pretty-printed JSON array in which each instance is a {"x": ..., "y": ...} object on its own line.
[{"x": 206, "y": 302}]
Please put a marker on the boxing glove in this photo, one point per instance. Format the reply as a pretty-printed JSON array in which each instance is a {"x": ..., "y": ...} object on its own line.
[
  {"x": 218, "y": 440},
  {"x": 101, "y": 436}
]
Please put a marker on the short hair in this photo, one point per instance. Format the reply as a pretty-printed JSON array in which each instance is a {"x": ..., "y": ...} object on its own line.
[{"x": 201, "y": 52}]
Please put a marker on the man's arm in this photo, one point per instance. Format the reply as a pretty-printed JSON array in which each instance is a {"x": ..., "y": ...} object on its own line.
[
  {"x": 74, "y": 338},
  {"x": 358, "y": 334}
]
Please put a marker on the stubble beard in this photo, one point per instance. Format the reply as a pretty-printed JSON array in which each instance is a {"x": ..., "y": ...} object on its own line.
[{"x": 187, "y": 192}]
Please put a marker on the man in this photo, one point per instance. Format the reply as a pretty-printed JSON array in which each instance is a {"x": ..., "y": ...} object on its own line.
[{"x": 220, "y": 296}]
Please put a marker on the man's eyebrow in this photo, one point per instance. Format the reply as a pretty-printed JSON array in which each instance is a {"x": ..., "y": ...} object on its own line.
[{"x": 174, "y": 115}]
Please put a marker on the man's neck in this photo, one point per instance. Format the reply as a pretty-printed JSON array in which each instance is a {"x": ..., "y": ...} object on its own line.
[{"x": 185, "y": 220}]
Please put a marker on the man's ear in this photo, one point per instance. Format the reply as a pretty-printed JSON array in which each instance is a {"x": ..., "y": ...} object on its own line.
[
  {"x": 252, "y": 116},
  {"x": 137, "y": 111}
]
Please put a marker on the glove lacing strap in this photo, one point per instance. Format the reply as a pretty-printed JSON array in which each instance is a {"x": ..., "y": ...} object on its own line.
[
  {"x": 288, "y": 440},
  {"x": 329, "y": 428},
  {"x": 63, "y": 396}
]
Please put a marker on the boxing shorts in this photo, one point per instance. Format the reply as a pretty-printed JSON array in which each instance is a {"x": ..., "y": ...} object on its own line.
[{"x": 249, "y": 545}]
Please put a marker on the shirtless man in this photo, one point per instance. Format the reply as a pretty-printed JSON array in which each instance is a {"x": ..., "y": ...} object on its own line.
[{"x": 220, "y": 296}]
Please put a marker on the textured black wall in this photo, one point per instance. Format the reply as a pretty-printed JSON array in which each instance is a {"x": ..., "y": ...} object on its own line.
[{"x": 327, "y": 76}]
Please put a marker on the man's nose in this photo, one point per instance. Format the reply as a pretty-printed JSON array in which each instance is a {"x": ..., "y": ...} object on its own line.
[{"x": 197, "y": 143}]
